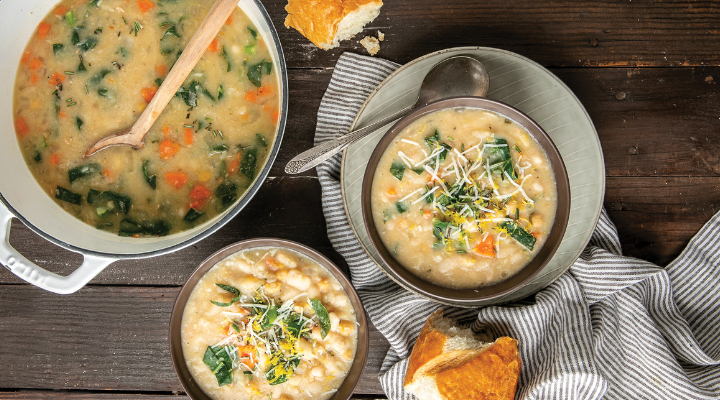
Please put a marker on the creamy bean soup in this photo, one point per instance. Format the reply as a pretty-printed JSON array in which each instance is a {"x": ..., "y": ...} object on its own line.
[
  {"x": 91, "y": 68},
  {"x": 464, "y": 198},
  {"x": 269, "y": 323}
]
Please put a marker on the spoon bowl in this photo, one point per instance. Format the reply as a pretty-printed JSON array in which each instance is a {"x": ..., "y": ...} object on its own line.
[{"x": 459, "y": 76}]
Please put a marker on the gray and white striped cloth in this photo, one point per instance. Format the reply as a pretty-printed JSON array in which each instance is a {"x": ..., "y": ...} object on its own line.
[{"x": 612, "y": 327}]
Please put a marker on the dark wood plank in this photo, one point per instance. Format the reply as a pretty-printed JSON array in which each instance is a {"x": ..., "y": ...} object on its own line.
[
  {"x": 652, "y": 121},
  {"x": 103, "y": 338},
  {"x": 657, "y": 217},
  {"x": 556, "y": 33}
]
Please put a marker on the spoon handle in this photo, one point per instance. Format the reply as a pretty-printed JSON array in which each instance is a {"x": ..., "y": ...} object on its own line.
[
  {"x": 311, "y": 158},
  {"x": 190, "y": 56}
]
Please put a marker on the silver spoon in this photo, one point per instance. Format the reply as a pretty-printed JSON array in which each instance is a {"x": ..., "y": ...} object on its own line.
[{"x": 452, "y": 77}]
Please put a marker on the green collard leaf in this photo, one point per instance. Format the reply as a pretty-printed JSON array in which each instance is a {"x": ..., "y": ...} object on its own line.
[
  {"x": 192, "y": 215},
  {"x": 68, "y": 196},
  {"x": 323, "y": 317},
  {"x": 397, "y": 169},
  {"x": 57, "y": 47},
  {"x": 516, "y": 232},
  {"x": 219, "y": 361},
  {"x": 226, "y": 193},
  {"x": 82, "y": 171},
  {"x": 249, "y": 162},
  {"x": 401, "y": 207},
  {"x": 150, "y": 179}
]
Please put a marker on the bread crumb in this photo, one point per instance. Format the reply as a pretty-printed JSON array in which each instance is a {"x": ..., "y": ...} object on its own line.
[
  {"x": 371, "y": 44},
  {"x": 381, "y": 36}
]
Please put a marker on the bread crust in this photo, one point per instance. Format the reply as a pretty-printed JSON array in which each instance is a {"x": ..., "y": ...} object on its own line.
[
  {"x": 489, "y": 372},
  {"x": 492, "y": 375},
  {"x": 318, "y": 20}
]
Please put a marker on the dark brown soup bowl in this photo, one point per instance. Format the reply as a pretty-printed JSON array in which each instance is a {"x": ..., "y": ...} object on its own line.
[
  {"x": 176, "y": 351},
  {"x": 485, "y": 294}
]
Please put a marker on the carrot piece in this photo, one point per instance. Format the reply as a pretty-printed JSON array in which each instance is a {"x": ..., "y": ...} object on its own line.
[
  {"x": 168, "y": 148},
  {"x": 62, "y": 114},
  {"x": 25, "y": 57},
  {"x": 536, "y": 234},
  {"x": 61, "y": 10},
  {"x": 56, "y": 78},
  {"x": 275, "y": 116},
  {"x": 229, "y": 20},
  {"x": 148, "y": 93},
  {"x": 188, "y": 136},
  {"x": 107, "y": 173},
  {"x": 486, "y": 247},
  {"x": 176, "y": 179},
  {"x": 391, "y": 192},
  {"x": 264, "y": 91},
  {"x": 34, "y": 79},
  {"x": 199, "y": 196},
  {"x": 166, "y": 130},
  {"x": 267, "y": 108},
  {"x": 233, "y": 167},
  {"x": 251, "y": 96},
  {"x": 55, "y": 159},
  {"x": 145, "y": 5},
  {"x": 247, "y": 356},
  {"x": 21, "y": 126},
  {"x": 213, "y": 45},
  {"x": 245, "y": 117},
  {"x": 43, "y": 29},
  {"x": 161, "y": 69},
  {"x": 35, "y": 63}
]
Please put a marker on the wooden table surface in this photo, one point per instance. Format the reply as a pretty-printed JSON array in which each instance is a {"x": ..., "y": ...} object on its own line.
[{"x": 647, "y": 72}]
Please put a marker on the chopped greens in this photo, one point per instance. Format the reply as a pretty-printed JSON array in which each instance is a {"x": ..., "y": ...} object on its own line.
[
  {"x": 323, "y": 316},
  {"x": 262, "y": 141},
  {"x": 225, "y": 55},
  {"x": 219, "y": 360},
  {"x": 57, "y": 47},
  {"x": 249, "y": 162},
  {"x": 500, "y": 159},
  {"x": 397, "y": 169},
  {"x": 256, "y": 71},
  {"x": 150, "y": 179},
  {"x": 82, "y": 171},
  {"x": 401, "y": 207},
  {"x": 192, "y": 215},
  {"x": 227, "y": 193},
  {"x": 68, "y": 196},
  {"x": 516, "y": 232},
  {"x": 79, "y": 122},
  {"x": 189, "y": 93}
]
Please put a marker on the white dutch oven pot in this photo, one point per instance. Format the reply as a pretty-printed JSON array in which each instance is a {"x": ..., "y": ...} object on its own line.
[{"x": 22, "y": 197}]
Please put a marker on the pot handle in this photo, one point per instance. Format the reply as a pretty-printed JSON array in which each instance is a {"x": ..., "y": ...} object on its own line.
[{"x": 42, "y": 278}]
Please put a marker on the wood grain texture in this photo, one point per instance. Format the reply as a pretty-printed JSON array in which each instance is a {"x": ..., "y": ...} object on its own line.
[
  {"x": 102, "y": 338},
  {"x": 657, "y": 217},
  {"x": 605, "y": 33}
]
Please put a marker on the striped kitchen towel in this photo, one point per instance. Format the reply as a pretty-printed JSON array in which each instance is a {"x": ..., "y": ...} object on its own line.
[{"x": 612, "y": 327}]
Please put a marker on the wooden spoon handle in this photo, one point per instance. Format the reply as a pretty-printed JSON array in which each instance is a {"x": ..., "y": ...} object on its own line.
[{"x": 209, "y": 28}]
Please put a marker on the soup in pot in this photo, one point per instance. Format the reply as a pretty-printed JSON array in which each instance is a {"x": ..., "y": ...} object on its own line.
[{"x": 90, "y": 69}]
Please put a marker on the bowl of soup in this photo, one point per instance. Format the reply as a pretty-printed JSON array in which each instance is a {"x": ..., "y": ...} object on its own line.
[
  {"x": 465, "y": 199},
  {"x": 85, "y": 69},
  {"x": 268, "y": 318}
]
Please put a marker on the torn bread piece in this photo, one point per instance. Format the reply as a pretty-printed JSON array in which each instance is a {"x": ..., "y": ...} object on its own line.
[
  {"x": 328, "y": 22},
  {"x": 449, "y": 363},
  {"x": 371, "y": 44}
]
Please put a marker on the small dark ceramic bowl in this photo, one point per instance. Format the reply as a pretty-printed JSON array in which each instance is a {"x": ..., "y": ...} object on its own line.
[
  {"x": 485, "y": 294},
  {"x": 361, "y": 353}
]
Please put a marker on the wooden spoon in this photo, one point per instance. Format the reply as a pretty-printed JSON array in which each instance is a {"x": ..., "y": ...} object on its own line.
[{"x": 209, "y": 28}]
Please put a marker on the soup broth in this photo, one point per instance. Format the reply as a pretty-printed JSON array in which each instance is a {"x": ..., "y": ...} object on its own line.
[
  {"x": 91, "y": 68},
  {"x": 464, "y": 198},
  {"x": 284, "y": 324}
]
